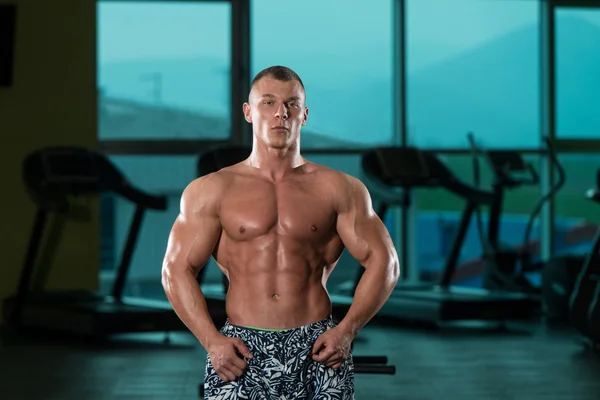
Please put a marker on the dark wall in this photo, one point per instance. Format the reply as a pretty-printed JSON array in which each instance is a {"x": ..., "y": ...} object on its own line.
[{"x": 52, "y": 101}]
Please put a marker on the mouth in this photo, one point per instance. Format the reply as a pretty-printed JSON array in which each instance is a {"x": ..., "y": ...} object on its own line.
[{"x": 280, "y": 129}]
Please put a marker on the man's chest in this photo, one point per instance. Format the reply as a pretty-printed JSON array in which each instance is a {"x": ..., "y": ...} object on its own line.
[{"x": 301, "y": 210}]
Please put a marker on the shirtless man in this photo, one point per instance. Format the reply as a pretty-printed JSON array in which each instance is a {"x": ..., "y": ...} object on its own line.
[{"x": 277, "y": 224}]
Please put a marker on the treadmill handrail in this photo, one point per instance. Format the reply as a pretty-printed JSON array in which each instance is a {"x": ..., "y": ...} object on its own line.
[
  {"x": 427, "y": 177},
  {"x": 477, "y": 196},
  {"x": 143, "y": 199}
]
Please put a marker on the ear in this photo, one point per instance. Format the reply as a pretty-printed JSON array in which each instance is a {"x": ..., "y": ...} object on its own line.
[
  {"x": 305, "y": 116},
  {"x": 247, "y": 112}
]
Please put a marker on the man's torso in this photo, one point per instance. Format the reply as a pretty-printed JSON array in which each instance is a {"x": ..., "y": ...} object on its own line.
[{"x": 278, "y": 245}]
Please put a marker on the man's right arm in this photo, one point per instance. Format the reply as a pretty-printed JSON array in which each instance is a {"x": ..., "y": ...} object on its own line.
[{"x": 191, "y": 242}]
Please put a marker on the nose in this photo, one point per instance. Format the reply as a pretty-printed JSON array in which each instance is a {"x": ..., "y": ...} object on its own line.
[{"x": 281, "y": 111}]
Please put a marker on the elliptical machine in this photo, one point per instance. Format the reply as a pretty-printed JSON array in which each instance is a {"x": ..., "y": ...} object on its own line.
[{"x": 506, "y": 268}]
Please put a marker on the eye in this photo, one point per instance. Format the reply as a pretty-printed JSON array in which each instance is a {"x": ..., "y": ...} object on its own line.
[{"x": 268, "y": 102}]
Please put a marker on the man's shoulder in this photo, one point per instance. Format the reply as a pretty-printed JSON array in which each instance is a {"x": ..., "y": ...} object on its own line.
[
  {"x": 209, "y": 185},
  {"x": 340, "y": 181}
]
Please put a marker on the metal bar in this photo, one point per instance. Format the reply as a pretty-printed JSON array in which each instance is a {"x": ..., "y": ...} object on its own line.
[
  {"x": 577, "y": 145},
  {"x": 575, "y": 3},
  {"x": 457, "y": 245},
  {"x": 468, "y": 151},
  {"x": 241, "y": 132},
  {"x": 125, "y": 263},
  {"x": 401, "y": 217},
  {"x": 29, "y": 266},
  {"x": 547, "y": 119},
  {"x": 157, "y": 147},
  {"x": 164, "y": 1},
  {"x": 399, "y": 71}
]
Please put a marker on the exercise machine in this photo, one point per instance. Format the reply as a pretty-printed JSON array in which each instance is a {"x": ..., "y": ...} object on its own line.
[
  {"x": 53, "y": 176},
  {"x": 506, "y": 268},
  {"x": 391, "y": 173},
  {"x": 584, "y": 303}
]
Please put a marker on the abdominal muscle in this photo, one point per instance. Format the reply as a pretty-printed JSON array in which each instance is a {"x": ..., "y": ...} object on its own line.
[{"x": 275, "y": 292}]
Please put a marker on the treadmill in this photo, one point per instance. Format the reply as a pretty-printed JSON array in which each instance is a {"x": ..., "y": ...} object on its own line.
[
  {"x": 584, "y": 301},
  {"x": 506, "y": 268},
  {"x": 52, "y": 176},
  {"x": 394, "y": 172}
]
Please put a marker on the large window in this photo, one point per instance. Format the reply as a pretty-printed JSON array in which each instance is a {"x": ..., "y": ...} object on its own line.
[
  {"x": 163, "y": 70},
  {"x": 473, "y": 66},
  {"x": 577, "y": 73},
  {"x": 343, "y": 53}
]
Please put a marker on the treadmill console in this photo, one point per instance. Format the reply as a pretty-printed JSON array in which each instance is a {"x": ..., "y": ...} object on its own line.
[
  {"x": 220, "y": 157},
  {"x": 506, "y": 161},
  {"x": 510, "y": 168},
  {"x": 52, "y": 174},
  {"x": 68, "y": 166},
  {"x": 406, "y": 167},
  {"x": 396, "y": 166}
]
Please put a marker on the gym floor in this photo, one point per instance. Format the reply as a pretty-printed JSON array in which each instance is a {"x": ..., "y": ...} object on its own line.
[{"x": 525, "y": 363}]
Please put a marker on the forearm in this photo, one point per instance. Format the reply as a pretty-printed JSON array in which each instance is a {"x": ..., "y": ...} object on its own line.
[
  {"x": 372, "y": 291},
  {"x": 189, "y": 304}
]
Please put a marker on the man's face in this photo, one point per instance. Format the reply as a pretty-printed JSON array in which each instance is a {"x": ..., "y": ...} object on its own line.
[{"x": 277, "y": 111}]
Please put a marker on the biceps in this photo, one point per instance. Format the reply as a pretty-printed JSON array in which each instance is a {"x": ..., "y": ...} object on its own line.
[
  {"x": 191, "y": 242},
  {"x": 364, "y": 238}
]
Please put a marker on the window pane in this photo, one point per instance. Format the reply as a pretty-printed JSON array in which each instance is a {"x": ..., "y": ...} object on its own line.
[
  {"x": 163, "y": 70},
  {"x": 473, "y": 66},
  {"x": 438, "y": 218},
  {"x": 346, "y": 66},
  {"x": 577, "y": 73},
  {"x": 577, "y": 217}
]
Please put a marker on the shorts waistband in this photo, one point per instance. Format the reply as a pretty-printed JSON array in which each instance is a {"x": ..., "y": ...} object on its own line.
[{"x": 327, "y": 320}]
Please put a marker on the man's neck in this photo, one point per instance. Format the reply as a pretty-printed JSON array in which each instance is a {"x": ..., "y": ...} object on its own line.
[{"x": 275, "y": 164}]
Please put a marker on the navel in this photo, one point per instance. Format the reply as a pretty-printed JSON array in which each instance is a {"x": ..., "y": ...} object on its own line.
[
  {"x": 275, "y": 296},
  {"x": 242, "y": 229},
  {"x": 313, "y": 228}
]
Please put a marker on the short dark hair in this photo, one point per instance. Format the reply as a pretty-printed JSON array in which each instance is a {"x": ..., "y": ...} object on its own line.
[{"x": 278, "y": 72}]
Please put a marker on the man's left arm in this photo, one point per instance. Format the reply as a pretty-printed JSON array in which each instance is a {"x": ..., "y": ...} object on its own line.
[{"x": 367, "y": 239}]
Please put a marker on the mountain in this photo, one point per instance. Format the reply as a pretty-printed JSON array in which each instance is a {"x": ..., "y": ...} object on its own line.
[
  {"x": 493, "y": 90},
  {"x": 336, "y": 109}
]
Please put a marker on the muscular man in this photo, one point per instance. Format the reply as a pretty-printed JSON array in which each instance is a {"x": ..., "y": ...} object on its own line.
[{"x": 276, "y": 224}]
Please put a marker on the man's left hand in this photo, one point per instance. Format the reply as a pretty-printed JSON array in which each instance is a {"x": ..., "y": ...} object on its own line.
[{"x": 332, "y": 348}]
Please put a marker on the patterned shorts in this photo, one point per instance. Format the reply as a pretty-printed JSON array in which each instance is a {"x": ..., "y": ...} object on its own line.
[{"x": 282, "y": 367}]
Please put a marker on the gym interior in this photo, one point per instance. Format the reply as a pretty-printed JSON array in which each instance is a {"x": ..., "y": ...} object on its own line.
[{"x": 474, "y": 124}]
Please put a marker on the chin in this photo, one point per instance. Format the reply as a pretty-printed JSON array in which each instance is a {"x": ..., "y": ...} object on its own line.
[{"x": 279, "y": 143}]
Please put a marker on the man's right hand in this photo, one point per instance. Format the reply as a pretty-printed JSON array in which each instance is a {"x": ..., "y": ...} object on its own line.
[{"x": 226, "y": 356}]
